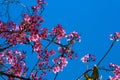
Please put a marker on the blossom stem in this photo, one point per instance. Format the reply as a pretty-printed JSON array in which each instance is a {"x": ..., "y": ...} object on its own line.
[
  {"x": 56, "y": 76},
  {"x": 111, "y": 46},
  {"x": 83, "y": 74}
]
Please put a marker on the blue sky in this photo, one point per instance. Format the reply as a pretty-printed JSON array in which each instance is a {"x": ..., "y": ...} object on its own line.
[{"x": 95, "y": 20}]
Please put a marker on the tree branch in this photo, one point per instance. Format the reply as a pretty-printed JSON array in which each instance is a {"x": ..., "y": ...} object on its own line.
[
  {"x": 13, "y": 76},
  {"x": 56, "y": 76},
  {"x": 111, "y": 46},
  {"x": 41, "y": 53}
]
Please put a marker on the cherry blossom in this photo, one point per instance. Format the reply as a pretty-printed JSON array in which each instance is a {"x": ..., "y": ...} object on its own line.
[
  {"x": 88, "y": 58},
  {"x": 44, "y": 33},
  {"x": 73, "y": 36},
  {"x": 37, "y": 46},
  {"x": 58, "y": 32},
  {"x": 116, "y": 71},
  {"x": 41, "y": 2},
  {"x": 34, "y": 37},
  {"x": 59, "y": 64},
  {"x": 38, "y": 6},
  {"x": 116, "y": 36},
  {"x": 56, "y": 69},
  {"x": 15, "y": 61},
  {"x": 52, "y": 52}
]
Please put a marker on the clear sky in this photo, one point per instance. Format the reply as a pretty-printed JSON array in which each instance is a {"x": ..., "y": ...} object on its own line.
[{"x": 95, "y": 20}]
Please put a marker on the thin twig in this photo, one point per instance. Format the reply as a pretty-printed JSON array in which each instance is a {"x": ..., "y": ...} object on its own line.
[
  {"x": 1, "y": 50},
  {"x": 83, "y": 74},
  {"x": 106, "y": 52},
  {"x": 54, "y": 42},
  {"x": 56, "y": 76},
  {"x": 105, "y": 69}
]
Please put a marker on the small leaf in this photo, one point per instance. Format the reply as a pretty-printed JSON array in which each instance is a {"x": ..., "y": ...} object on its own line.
[
  {"x": 87, "y": 77},
  {"x": 95, "y": 73}
]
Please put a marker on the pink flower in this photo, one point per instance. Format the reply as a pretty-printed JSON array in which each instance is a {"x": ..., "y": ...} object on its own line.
[
  {"x": 60, "y": 49},
  {"x": 116, "y": 71},
  {"x": 17, "y": 52},
  {"x": 116, "y": 36},
  {"x": 60, "y": 63},
  {"x": 36, "y": 8},
  {"x": 44, "y": 33},
  {"x": 15, "y": 61},
  {"x": 59, "y": 32},
  {"x": 64, "y": 61},
  {"x": 74, "y": 35},
  {"x": 55, "y": 60},
  {"x": 56, "y": 69},
  {"x": 88, "y": 58},
  {"x": 26, "y": 18},
  {"x": 33, "y": 75},
  {"x": 37, "y": 46},
  {"x": 52, "y": 52},
  {"x": 16, "y": 28},
  {"x": 39, "y": 2},
  {"x": 34, "y": 37}
]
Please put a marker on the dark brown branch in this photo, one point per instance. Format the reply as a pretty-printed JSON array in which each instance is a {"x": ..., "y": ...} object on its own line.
[
  {"x": 13, "y": 76},
  {"x": 56, "y": 76},
  {"x": 1, "y": 50},
  {"x": 54, "y": 42}
]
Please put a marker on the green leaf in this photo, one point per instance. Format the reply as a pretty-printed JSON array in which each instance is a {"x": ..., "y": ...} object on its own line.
[
  {"x": 95, "y": 73},
  {"x": 87, "y": 77}
]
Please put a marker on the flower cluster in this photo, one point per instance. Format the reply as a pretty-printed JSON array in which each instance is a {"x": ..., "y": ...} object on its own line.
[
  {"x": 31, "y": 22},
  {"x": 29, "y": 32},
  {"x": 15, "y": 60},
  {"x": 44, "y": 33},
  {"x": 116, "y": 70},
  {"x": 40, "y": 2},
  {"x": 88, "y": 58},
  {"x": 16, "y": 34},
  {"x": 58, "y": 32},
  {"x": 59, "y": 64},
  {"x": 37, "y": 46},
  {"x": 38, "y": 6},
  {"x": 116, "y": 36},
  {"x": 73, "y": 36},
  {"x": 10, "y": 31}
]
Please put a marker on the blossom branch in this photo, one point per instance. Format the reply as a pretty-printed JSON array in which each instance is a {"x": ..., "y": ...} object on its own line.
[
  {"x": 3, "y": 49},
  {"x": 13, "y": 76},
  {"x": 56, "y": 76},
  {"x": 41, "y": 54},
  {"x": 111, "y": 46}
]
